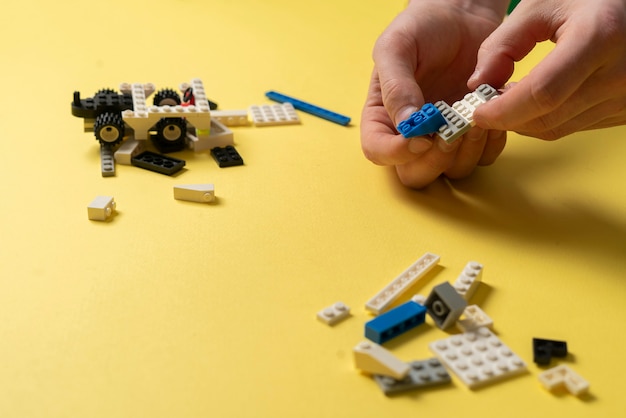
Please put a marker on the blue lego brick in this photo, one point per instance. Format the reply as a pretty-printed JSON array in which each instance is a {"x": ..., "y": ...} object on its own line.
[
  {"x": 425, "y": 121},
  {"x": 395, "y": 322},
  {"x": 158, "y": 163},
  {"x": 309, "y": 108}
]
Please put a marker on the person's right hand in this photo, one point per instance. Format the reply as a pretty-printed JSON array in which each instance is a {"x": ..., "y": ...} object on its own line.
[{"x": 427, "y": 54}]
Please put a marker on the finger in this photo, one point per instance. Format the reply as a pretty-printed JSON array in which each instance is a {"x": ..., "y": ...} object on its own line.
[
  {"x": 599, "y": 116},
  {"x": 496, "y": 141},
  {"x": 546, "y": 87},
  {"x": 395, "y": 55},
  {"x": 468, "y": 154},
  {"x": 428, "y": 167}
]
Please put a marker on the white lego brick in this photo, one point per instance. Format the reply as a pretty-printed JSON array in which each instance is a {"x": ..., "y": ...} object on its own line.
[
  {"x": 218, "y": 136},
  {"x": 456, "y": 125},
  {"x": 231, "y": 117},
  {"x": 201, "y": 193},
  {"x": 372, "y": 358},
  {"x": 403, "y": 282},
  {"x": 420, "y": 299},
  {"x": 478, "y": 357},
  {"x": 474, "y": 318},
  {"x": 564, "y": 376},
  {"x": 107, "y": 161},
  {"x": 333, "y": 314},
  {"x": 200, "y": 98},
  {"x": 274, "y": 114},
  {"x": 129, "y": 149},
  {"x": 101, "y": 208},
  {"x": 469, "y": 280}
]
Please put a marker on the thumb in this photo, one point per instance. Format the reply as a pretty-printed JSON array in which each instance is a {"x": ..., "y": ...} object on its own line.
[{"x": 396, "y": 62}]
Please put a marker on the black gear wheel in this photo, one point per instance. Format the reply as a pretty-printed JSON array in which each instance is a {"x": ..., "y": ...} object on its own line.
[
  {"x": 170, "y": 134},
  {"x": 166, "y": 97},
  {"x": 109, "y": 128}
]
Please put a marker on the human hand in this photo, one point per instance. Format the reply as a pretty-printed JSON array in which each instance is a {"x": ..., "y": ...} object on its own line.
[
  {"x": 580, "y": 85},
  {"x": 427, "y": 54}
]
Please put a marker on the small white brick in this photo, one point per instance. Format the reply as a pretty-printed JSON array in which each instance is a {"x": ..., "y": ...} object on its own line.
[
  {"x": 101, "y": 208},
  {"x": 474, "y": 318},
  {"x": 334, "y": 313},
  {"x": 274, "y": 114},
  {"x": 562, "y": 375}
]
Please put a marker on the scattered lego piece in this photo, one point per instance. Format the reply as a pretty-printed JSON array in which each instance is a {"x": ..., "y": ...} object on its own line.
[
  {"x": 309, "y": 108},
  {"x": 231, "y": 117},
  {"x": 201, "y": 193},
  {"x": 421, "y": 299},
  {"x": 424, "y": 373},
  {"x": 218, "y": 136},
  {"x": 445, "y": 306},
  {"x": 107, "y": 162},
  {"x": 395, "y": 322},
  {"x": 129, "y": 149},
  {"x": 473, "y": 318},
  {"x": 158, "y": 163},
  {"x": 276, "y": 114},
  {"x": 544, "y": 350},
  {"x": 564, "y": 376},
  {"x": 226, "y": 156},
  {"x": 425, "y": 121},
  {"x": 101, "y": 208},
  {"x": 334, "y": 313},
  {"x": 468, "y": 281},
  {"x": 403, "y": 282},
  {"x": 478, "y": 357},
  {"x": 374, "y": 359}
]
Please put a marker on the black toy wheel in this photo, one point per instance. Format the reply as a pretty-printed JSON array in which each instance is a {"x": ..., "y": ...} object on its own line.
[
  {"x": 109, "y": 128},
  {"x": 166, "y": 97},
  {"x": 170, "y": 134}
]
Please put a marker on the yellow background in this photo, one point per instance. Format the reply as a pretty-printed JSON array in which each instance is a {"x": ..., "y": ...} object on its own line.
[{"x": 178, "y": 309}]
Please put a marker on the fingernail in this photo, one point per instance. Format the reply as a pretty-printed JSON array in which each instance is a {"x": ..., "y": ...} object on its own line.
[
  {"x": 420, "y": 145},
  {"x": 404, "y": 113},
  {"x": 474, "y": 77}
]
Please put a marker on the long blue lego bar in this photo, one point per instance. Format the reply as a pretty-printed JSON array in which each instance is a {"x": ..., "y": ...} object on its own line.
[{"x": 309, "y": 108}]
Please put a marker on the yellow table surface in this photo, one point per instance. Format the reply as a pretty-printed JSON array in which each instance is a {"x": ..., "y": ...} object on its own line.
[{"x": 178, "y": 309}]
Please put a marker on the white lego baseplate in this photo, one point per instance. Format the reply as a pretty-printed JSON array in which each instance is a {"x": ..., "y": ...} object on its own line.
[
  {"x": 400, "y": 284},
  {"x": 478, "y": 357},
  {"x": 274, "y": 114}
]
